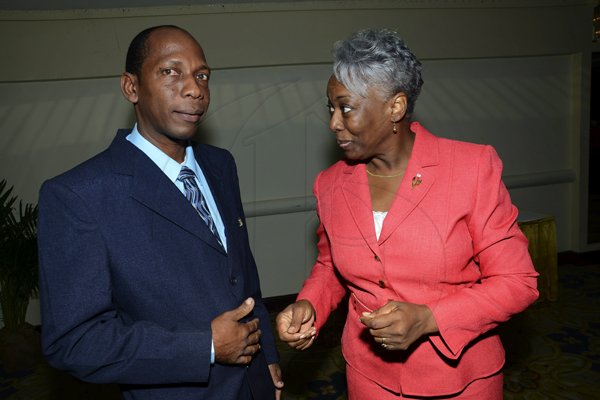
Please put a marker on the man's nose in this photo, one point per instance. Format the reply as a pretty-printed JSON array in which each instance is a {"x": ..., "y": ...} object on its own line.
[{"x": 193, "y": 87}]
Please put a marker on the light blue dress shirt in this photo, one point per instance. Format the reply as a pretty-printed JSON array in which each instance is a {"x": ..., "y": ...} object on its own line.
[{"x": 171, "y": 168}]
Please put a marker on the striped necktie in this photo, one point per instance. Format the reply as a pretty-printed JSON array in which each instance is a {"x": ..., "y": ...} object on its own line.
[{"x": 194, "y": 196}]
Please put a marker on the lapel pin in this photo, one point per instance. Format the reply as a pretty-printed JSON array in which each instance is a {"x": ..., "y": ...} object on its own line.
[
  {"x": 416, "y": 180},
  {"x": 240, "y": 222}
]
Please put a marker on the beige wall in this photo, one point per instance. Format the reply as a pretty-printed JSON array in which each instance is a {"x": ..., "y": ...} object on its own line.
[{"x": 514, "y": 74}]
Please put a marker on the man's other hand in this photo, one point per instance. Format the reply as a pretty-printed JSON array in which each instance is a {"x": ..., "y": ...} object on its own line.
[{"x": 235, "y": 342}]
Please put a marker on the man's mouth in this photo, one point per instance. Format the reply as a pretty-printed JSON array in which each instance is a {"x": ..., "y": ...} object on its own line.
[{"x": 193, "y": 116}]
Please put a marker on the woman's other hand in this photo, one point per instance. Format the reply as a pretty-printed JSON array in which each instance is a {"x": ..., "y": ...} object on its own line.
[
  {"x": 295, "y": 325},
  {"x": 397, "y": 325}
]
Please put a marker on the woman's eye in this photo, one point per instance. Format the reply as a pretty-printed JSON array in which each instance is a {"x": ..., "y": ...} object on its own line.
[
  {"x": 330, "y": 109},
  {"x": 346, "y": 109}
]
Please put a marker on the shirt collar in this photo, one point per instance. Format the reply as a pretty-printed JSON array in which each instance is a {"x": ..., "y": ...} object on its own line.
[{"x": 170, "y": 167}]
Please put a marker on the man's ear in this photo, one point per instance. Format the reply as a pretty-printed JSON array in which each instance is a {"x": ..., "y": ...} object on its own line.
[
  {"x": 399, "y": 106},
  {"x": 129, "y": 87}
]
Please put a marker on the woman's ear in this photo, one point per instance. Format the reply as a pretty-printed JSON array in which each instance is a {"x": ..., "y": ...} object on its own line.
[
  {"x": 399, "y": 106},
  {"x": 129, "y": 87}
]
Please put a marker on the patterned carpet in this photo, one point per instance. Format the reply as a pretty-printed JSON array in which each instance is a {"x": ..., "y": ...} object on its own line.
[
  {"x": 553, "y": 352},
  {"x": 553, "y": 349}
]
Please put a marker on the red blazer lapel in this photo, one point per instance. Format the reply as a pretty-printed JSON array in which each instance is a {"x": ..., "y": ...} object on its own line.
[
  {"x": 355, "y": 187},
  {"x": 419, "y": 178}
]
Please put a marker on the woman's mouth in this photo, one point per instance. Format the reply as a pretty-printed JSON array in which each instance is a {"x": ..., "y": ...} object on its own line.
[{"x": 344, "y": 144}]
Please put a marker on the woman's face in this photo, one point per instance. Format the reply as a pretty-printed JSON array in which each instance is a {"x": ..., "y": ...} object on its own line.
[{"x": 362, "y": 125}]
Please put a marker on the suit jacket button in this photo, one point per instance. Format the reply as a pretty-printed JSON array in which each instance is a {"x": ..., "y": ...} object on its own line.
[
  {"x": 381, "y": 284},
  {"x": 233, "y": 281}
]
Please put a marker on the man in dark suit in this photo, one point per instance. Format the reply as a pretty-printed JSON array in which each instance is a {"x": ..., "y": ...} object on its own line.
[{"x": 146, "y": 274}]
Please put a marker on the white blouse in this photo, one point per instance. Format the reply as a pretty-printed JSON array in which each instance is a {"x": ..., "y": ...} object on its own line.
[{"x": 378, "y": 217}]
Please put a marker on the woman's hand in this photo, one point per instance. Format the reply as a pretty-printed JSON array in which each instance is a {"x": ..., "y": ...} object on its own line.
[
  {"x": 397, "y": 325},
  {"x": 295, "y": 325}
]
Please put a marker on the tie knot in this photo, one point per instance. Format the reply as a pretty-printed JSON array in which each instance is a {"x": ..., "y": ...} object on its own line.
[{"x": 185, "y": 174}]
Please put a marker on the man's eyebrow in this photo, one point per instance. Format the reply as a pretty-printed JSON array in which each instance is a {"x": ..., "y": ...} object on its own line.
[{"x": 176, "y": 63}]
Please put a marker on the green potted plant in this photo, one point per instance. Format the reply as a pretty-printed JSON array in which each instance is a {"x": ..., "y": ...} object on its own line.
[{"x": 19, "y": 341}]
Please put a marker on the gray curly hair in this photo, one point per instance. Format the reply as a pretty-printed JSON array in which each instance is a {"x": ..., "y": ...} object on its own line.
[{"x": 380, "y": 58}]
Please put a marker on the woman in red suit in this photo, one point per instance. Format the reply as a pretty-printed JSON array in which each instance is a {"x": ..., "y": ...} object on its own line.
[{"x": 418, "y": 231}]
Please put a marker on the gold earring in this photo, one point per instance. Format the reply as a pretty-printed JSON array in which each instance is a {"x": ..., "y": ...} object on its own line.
[{"x": 394, "y": 128}]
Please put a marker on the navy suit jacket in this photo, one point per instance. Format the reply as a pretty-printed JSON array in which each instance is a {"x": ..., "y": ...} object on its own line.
[{"x": 131, "y": 277}]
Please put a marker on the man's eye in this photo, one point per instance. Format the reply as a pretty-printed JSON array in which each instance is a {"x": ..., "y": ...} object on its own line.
[
  {"x": 202, "y": 76},
  {"x": 168, "y": 71}
]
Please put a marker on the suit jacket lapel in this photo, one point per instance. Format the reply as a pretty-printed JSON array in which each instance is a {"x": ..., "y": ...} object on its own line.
[
  {"x": 419, "y": 178},
  {"x": 151, "y": 187},
  {"x": 355, "y": 188}
]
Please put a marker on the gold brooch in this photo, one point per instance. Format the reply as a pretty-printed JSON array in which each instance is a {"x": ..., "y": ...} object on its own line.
[{"x": 416, "y": 180}]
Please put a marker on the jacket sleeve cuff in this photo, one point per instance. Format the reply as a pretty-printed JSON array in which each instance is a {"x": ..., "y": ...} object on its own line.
[{"x": 442, "y": 347}]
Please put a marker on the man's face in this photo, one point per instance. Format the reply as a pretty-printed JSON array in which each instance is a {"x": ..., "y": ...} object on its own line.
[{"x": 172, "y": 89}]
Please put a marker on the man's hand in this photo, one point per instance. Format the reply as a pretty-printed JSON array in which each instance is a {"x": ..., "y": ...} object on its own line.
[
  {"x": 275, "y": 371},
  {"x": 397, "y": 325},
  {"x": 235, "y": 342},
  {"x": 295, "y": 325}
]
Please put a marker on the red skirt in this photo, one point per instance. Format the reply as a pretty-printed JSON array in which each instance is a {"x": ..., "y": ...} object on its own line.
[{"x": 362, "y": 388}]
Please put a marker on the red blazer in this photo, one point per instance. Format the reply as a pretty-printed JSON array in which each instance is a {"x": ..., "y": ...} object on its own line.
[{"x": 450, "y": 241}]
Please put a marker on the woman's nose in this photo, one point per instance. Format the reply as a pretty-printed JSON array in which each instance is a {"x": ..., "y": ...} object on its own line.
[{"x": 335, "y": 122}]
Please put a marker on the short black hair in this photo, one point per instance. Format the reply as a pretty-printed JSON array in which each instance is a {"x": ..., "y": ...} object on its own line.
[{"x": 138, "y": 48}]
